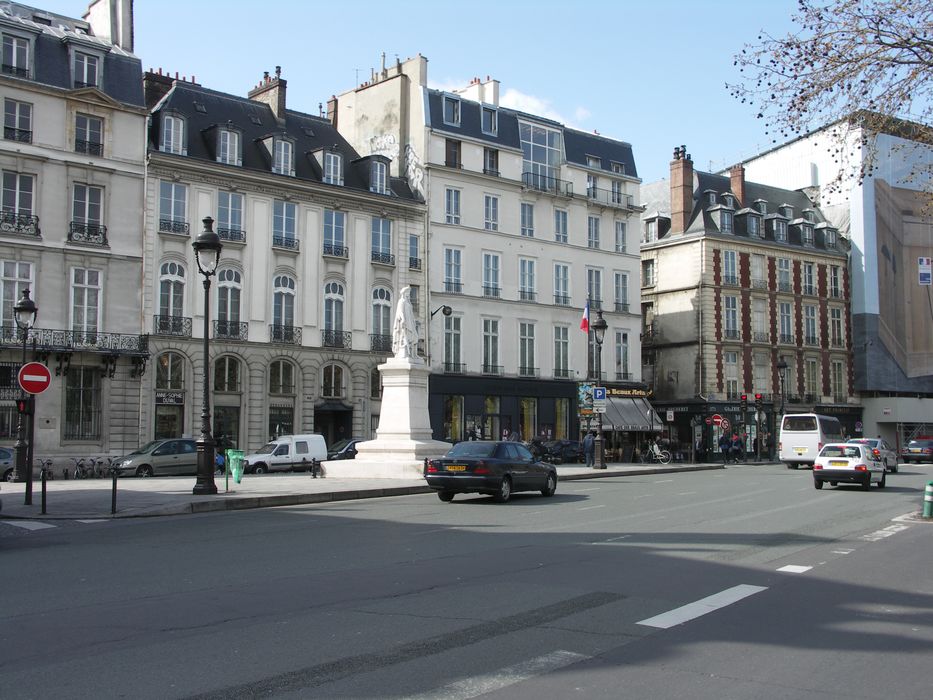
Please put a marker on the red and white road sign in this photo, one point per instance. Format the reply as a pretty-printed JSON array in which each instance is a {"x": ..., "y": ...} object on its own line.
[
  {"x": 717, "y": 419},
  {"x": 709, "y": 421},
  {"x": 34, "y": 377},
  {"x": 724, "y": 424}
]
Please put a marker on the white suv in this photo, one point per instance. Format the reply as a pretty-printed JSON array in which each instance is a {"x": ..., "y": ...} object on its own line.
[{"x": 847, "y": 462}]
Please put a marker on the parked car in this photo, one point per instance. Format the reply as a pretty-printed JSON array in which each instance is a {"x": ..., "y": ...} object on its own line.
[
  {"x": 565, "y": 451},
  {"x": 496, "y": 468},
  {"x": 7, "y": 461},
  {"x": 882, "y": 449},
  {"x": 919, "y": 450},
  {"x": 850, "y": 463},
  {"x": 171, "y": 457},
  {"x": 287, "y": 453},
  {"x": 345, "y": 449}
]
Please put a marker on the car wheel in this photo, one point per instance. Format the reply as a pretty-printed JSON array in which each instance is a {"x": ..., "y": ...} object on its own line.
[
  {"x": 144, "y": 471},
  {"x": 791, "y": 465},
  {"x": 446, "y": 496},
  {"x": 867, "y": 483},
  {"x": 881, "y": 483},
  {"x": 505, "y": 490},
  {"x": 260, "y": 469},
  {"x": 8, "y": 475},
  {"x": 550, "y": 486},
  {"x": 817, "y": 484}
]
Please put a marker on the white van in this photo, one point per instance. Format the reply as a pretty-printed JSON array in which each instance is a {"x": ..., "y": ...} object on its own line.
[
  {"x": 287, "y": 453},
  {"x": 803, "y": 435}
]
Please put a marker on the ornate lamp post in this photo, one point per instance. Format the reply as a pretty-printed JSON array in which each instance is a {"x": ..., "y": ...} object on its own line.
[
  {"x": 207, "y": 249},
  {"x": 782, "y": 374},
  {"x": 599, "y": 334},
  {"x": 24, "y": 312}
]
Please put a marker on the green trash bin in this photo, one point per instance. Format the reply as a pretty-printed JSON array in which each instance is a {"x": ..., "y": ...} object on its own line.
[{"x": 235, "y": 464}]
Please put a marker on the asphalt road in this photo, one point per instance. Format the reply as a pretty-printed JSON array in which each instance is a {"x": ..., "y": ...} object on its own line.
[{"x": 669, "y": 586}]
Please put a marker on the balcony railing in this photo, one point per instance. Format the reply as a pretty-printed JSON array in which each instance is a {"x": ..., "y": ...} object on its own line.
[
  {"x": 172, "y": 325},
  {"x": 811, "y": 340},
  {"x": 596, "y": 304},
  {"x": 492, "y": 369},
  {"x": 414, "y": 263},
  {"x": 623, "y": 376},
  {"x": 491, "y": 291},
  {"x": 51, "y": 340},
  {"x": 562, "y": 299},
  {"x": 836, "y": 343},
  {"x": 231, "y": 330},
  {"x": 91, "y": 148},
  {"x": 232, "y": 234},
  {"x": 759, "y": 284},
  {"x": 787, "y": 338},
  {"x": 13, "y": 134},
  {"x": 785, "y": 287},
  {"x": 380, "y": 343},
  {"x": 622, "y": 307},
  {"x": 454, "y": 368},
  {"x": 380, "y": 258},
  {"x": 809, "y": 398},
  {"x": 527, "y": 371},
  {"x": 561, "y": 373},
  {"x": 81, "y": 232},
  {"x": 808, "y": 289},
  {"x": 453, "y": 287},
  {"x": 15, "y": 70},
  {"x": 760, "y": 336},
  {"x": 839, "y": 398},
  {"x": 610, "y": 198},
  {"x": 544, "y": 183},
  {"x": 287, "y": 335},
  {"x": 332, "y": 250},
  {"x": 173, "y": 226},
  {"x": 835, "y": 292},
  {"x": 24, "y": 224},
  {"x": 526, "y": 295},
  {"x": 730, "y": 280},
  {"x": 337, "y": 339},
  {"x": 731, "y": 333},
  {"x": 287, "y": 243}
]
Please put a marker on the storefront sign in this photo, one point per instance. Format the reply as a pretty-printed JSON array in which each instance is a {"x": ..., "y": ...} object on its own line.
[
  {"x": 630, "y": 393},
  {"x": 172, "y": 398}
]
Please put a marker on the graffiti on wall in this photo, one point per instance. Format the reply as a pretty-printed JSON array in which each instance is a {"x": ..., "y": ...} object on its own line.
[
  {"x": 384, "y": 145},
  {"x": 414, "y": 170}
]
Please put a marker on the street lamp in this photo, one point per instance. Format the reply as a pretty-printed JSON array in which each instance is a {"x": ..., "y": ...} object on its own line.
[
  {"x": 782, "y": 373},
  {"x": 599, "y": 333},
  {"x": 24, "y": 312},
  {"x": 207, "y": 249}
]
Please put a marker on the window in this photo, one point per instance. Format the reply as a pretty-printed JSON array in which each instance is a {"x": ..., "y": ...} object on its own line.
[
  {"x": 452, "y": 279},
  {"x": 452, "y": 206},
  {"x": 171, "y": 291},
  {"x": 783, "y": 266},
  {"x": 711, "y": 198},
  {"x": 89, "y": 135},
  {"x": 333, "y": 168},
  {"x": 82, "y": 404},
  {"x": 759, "y": 322},
  {"x": 227, "y": 374},
  {"x": 452, "y": 152},
  {"x": 379, "y": 178},
  {"x": 754, "y": 226},
  {"x": 86, "y": 207},
  {"x": 780, "y": 231},
  {"x": 490, "y": 275},
  {"x": 761, "y": 206},
  {"x": 490, "y": 119},
  {"x": 229, "y": 215},
  {"x": 592, "y": 180},
  {"x": 526, "y": 349},
  {"x": 283, "y": 302},
  {"x": 620, "y": 237},
  {"x": 731, "y": 365},
  {"x": 541, "y": 153},
  {"x": 623, "y": 371},
  {"x": 17, "y": 121},
  {"x": 594, "y": 286},
  {"x": 787, "y": 329},
  {"x": 452, "y": 356},
  {"x": 560, "y": 225},
  {"x": 17, "y": 195},
  {"x": 228, "y": 147},
  {"x": 414, "y": 295},
  {"x": 414, "y": 254},
  {"x": 333, "y": 306},
  {"x": 561, "y": 352},
  {"x": 830, "y": 238},
  {"x": 758, "y": 271},
  {"x": 528, "y": 220},
  {"x": 281, "y": 377},
  {"x": 382, "y": 240},
  {"x": 335, "y": 233},
  {"x": 811, "y": 376},
  {"x": 173, "y": 206},
  {"x": 621, "y": 291},
  {"x": 491, "y": 161},
  {"x": 725, "y": 221},
  {"x": 837, "y": 382},
  {"x": 526, "y": 279},
  {"x": 284, "y": 224},
  {"x": 647, "y": 273},
  {"x": 382, "y": 311},
  {"x": 173, "y": 135},
  {"x": 85, "y": 70},
  {"x": 731, "y": 316},
  {"x": 809, "y": 324},
  {"x": 592, "y": 232},
  {"x": 375, "y": 392},
  {"x": 806, "y": 235},
  {"x": 283, "y": 162},
  {"x": 807, "y": 278},
  {"x": 15, "y": 56},
  {"x": 85, "y": 302},
  {"x": 491, "y": 212},
  {"x": 617, "y": 196},
  {"x": 729, "y": 265},
  {"x": 491, "y": 345},
  {"x": 835, "y": 327},
  {"x": 16, "y": 276},
  {"x": 760, "y": 372},
  {"x": 170, "y": 371},
  {"x": 452, "y": 110},
  {"x": 651, "y": 231},
  {"x": 835, "y": 287},
  {"x": 228, "y": 303},
  {"x": 561, "y": 284},
  {"x": 332, "y": 382}
]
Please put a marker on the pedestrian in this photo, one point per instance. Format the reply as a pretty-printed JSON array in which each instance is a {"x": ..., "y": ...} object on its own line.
[
  {"x": 589, "y": 449},
  {"x": 698, "y": 450},
  {"x": 725, "y": 445},
  {"x": 737, "y": 447}
]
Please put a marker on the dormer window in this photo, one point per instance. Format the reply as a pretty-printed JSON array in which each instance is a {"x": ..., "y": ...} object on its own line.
[
  {"x": 725, "y": 221},
  {"x": 711, "y": 198},
  {"x": 651, "y": 230},
  {"x": 808, "y": 215},
  {"x": 761, "y": 206},
  {"x": 594, "y": 162},
  {"x": 831, "y": 238},
  {"x": 228, "y": 147},
  {"x": 618, "y": 168},
  {"x": 788, "y": 211},
  {"x": 451, "y": 110},
  {"x": 85, "y": 68},
  {"x": 379, "y": 178},
  {"x": 173, "y": 135},
  {"x": 754, "y": 226},
  {"x": 490, "y": 123},
  {"x": 333, "y": 168},
  {"x": 806, "y": 235},
  {"x": 283, "y": 162},
  {"x": 727, "y": 199},
  {"x": 780, "y": 231},
  {"x": 15, "y": 56}
]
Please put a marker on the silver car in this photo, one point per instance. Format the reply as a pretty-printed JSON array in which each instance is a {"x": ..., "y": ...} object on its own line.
[
  {"x": 172, "y": 457},
  {"x": 883, "y": 451}
]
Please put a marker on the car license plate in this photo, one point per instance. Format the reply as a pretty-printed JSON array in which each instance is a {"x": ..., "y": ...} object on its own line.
[
  {"x": 914, "y": 450},
  {"x": 800, "y": 450},
  {"x": 456, "y": 468},
  {"x": 838, "y": 463}
]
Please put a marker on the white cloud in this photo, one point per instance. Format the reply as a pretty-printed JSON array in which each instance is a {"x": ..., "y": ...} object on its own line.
[{"x": 513, "y": 99}]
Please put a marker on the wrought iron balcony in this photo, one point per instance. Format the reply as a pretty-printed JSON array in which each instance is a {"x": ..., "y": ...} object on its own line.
[
  {"x": 835, "y": 292},
  {"x": 337, "y": 339},
  {"x": 82, "y": 232},
  {"x": 24, "y": 224},
  {"x": 91, "y": 148},
  {"x": 380, "y": 343},
  {"x": 730, "y": 280},
  {"x": 382, "y": 258},
  {"x": 596, "y": 304},
  {"x": 172, "y": 325},
  {"x": 454, "y": 368},
  {"x": 787, "y": 338},
  {"x": 13, "y": 134},
  {"x": 759, "y": 284},
  {"x": 562, "y": 299},
  {"x": 731, "y": 333},
  {"x": 527, "y": 295},
  {"x": 332, "y": 250},
  {"x": 491, "y": 291},
  {"x": 288, "y": 335},
  {"x": 15, "y": 70},
  {"x": 527, "y": 371},
  {"x": 414, "y": 263},
  {"x": 453, "y": 287},
  {"x": 287, "y": 243},
  {"x": 492, "y": 369},
  {"x": 808, "y": 289},
  {"x": 809, "y": 398},
  {"x": 785, "y": 287},
  {"x": 811, "y": 340},
  {"x": 761, "y": 336},
  {"x": 622, "y": 307},
  {"x": 544, "y": 183},
  {"x": 561, "y": 373},
  {"x": 51, "y": 340},
  {"x": 837, "y": 343},
  {"x": 231, "y": 234},
  {"x": 173, "y": 226},
  {"x": 610, "y": 198},
  {"x": 650, "y": 333},
  {"x": 231, "y": 330}
]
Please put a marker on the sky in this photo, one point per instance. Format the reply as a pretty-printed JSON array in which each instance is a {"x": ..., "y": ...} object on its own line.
[{"x": 652, "y": 74}]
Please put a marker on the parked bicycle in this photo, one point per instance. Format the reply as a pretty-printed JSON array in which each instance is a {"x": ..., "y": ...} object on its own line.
[
  {"x": 655, "y": 455},
  {"x": 83, "y": 469},
  {"x": 45, "y": 469}
]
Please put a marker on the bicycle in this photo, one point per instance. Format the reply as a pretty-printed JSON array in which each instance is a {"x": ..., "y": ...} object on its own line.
[
  {"x": 45, "y": 469},
  {"x": 655, "y": 455},
  {"x": 82, "y": 470}
]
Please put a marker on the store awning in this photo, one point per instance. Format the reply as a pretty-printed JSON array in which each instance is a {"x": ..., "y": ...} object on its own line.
[{"x": 630, "y": 414}]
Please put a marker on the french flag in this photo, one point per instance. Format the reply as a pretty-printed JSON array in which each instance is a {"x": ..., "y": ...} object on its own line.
[{"x": 585, "y": 321}]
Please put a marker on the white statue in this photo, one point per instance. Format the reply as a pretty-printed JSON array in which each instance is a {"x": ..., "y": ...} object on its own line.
[{"x": 404, "y": 332}]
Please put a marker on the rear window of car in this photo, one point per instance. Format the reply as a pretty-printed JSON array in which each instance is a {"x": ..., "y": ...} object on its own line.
[
  {"x": 853, "y": 452},
  {"x": 799, "y": 423},
  {"x": 472, "y": 448},
  {"x": 920, "y": 443}
]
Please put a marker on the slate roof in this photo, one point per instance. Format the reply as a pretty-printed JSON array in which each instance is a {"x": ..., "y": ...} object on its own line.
[
  {"x": 577, "y": 144},
  {"x": 204, "y": 110}
]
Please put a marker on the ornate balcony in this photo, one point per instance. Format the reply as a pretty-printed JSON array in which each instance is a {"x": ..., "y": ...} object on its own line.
[
  {"x": 332, "y": 250},
  {"x": 287, "y": 335},
  {"x": 380, "y": 342},
  {"x": 760, "y": 337},
  {"x": 811, "y": 340},
  {"x": 287, "y": 243},
  {"x": 730, "y": 281},
  {"x": 23, "y": 224},
  {"x": 231, "y": 234},
  {"x": 785, "y": 287},
  {"x": 82, "y": 232},
  {"x": 731, "y": 334},
  {"x": 609, "y": 198},
  {"x": 454, "y": 368},
  {"x": 787, "y": 338},
  {"x": 50, "y": 340},
  {"x": 172, "y": 325},
  {"x": 337, "y": 339},
  {"x": 543, "y": 183},
  {"x": 231, "y": 330},
  {"x": 381, "y": 258},
  {"x": 173, "y": 226},
  {"x": 414, "y": 263}
]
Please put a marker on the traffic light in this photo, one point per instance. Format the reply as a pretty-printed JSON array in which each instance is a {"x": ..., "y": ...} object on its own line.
[
  {"x": 24, "y": 407},
  {"x": 744, "y": 407},
  {"x": 757, "y": 402}
]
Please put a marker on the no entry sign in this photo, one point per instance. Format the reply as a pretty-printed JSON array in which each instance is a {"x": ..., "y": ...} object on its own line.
[{"x": 34, "y": 377}]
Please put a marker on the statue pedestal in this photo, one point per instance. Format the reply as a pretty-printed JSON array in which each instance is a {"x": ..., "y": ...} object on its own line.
[{"x": 404, "y": 437}]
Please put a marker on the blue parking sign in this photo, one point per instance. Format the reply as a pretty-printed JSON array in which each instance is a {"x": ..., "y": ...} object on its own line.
[{"x": 599, "y": 393}]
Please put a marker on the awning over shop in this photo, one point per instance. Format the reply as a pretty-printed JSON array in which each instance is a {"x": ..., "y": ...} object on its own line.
[{"x": 630, "y": 414}]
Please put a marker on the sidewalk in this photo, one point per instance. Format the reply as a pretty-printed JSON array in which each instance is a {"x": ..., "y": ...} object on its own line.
[{"x": 92, "y": 498}]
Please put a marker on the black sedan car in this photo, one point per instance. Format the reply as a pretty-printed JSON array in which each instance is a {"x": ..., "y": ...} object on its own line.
[
  {"x": 561, "y": 451},
  {"x": 495, "y": 468}
]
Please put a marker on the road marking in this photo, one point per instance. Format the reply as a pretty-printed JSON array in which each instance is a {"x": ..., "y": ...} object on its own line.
[
  {"x": 691, "y": 611},
  {"x": 591, "y": 507},
  {"x": 29, "y": 524},
  {"x": 687, "y": 493},
  {"x": 93, "y": 520},
  {"x": 665, "y": 481},
  {"x": 843, "y": 551},
  {"x": 795, "y": 569},
  {"x": 475, "y": 686},
  {"x": 885, "y": 532},
  {"x": 595, "y": 488},
  {"x": 612, "y": 539}
]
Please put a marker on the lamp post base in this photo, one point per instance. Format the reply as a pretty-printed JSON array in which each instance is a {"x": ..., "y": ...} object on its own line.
[{"x": 205, "y": 489}]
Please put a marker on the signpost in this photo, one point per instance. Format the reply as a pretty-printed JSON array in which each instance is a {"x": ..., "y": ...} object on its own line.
[
  {"x": 34, "y": 377},
  {"x": 599, "y": 399}
]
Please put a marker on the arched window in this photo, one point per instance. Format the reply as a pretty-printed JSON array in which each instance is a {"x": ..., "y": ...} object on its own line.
[
  {"x": 332, "y": 386},
  {"x": 281, "y": 377},
  {"x": 283, "y": 301},
  {"x": 171, "y": 290},
  {"x": 382, "y": 311},
  {"x": 170, "y": 371},
  {"x": 333, "y": 306},
  {"x": 228, "y": 303},
  {"x": 227, "y": 374}
]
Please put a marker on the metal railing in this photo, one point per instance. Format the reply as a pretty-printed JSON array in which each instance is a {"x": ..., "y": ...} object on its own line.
[
  {"x": 491, "y": 291},
  {"x": 561, "y": 373},
  {"x": 527, "y": 295},
  {"x": 622, "y": 307},
  {"x": 231, "y": 330},
  {"x": 453, "y": 287},
  {"x": 172, "y": 325},
  {"x": 15, "y": 70},
  {"x": 527, "y": 371},
  {"x": 287, "y": 335},
  {"x": 759, "y": 284},
  {"x": 414, "y": 263},
  {"x": 545, "y": 183},
  {"x": 623, "y": 376},
  {"x": 382, "y": 258},
  {"x": 337, "y": 339},
  {"x": 454, "y": 368},
  {"x": 336, "y": 251},
  {"x": 173, "y": 226},
  {"x": 380, "y": 343},
  {"x": 731, "y": 333},
  {"x": 11, "y": 222},
  {"x": 91, "y": 148},
  {"x": 760, "y": 336},
  {"x": 286, "y": 243},
  {"x": 13, "y": 134},
  {"x": 811, "y": 340},
  {"x": 786, "y": 338},
  {"x": 229, "y": 233},
  {"x": 492, "y": 369},
  {"x": 48, "y": 339},
  {"x": 730, "y": 280},
  {"x": 82, "y": 232},
  {"x": 610, "y": 198},
  {"x": 596, "y": 304},
  {"x": 785, "y": 287}
]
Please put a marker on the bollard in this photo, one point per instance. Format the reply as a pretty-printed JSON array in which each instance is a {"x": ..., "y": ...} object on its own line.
[
  {"x": 43, "y": 491},
  {"x": 113, "y": 495},
  {"x": 928, "y": 501}
]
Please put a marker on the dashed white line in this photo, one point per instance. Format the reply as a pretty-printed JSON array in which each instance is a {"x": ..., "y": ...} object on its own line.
[
  {"x": 843, "y": 551},
  {"x": 665, "y": 481},
  {"x": 795, "y": 569},
  {"x": 93, "y": 520},
  {"x": 884, "y": 532},
  {"x": 29, "y": 524},
  {"x": 591, "y": 507},
  {"x": 691, "y": 611}
]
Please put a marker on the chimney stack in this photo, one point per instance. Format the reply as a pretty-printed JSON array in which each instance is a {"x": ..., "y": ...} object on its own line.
[
  {"x": 737, "y": 183},
  {"x": 332, "y": 110},
  {"x": 681, "y": 190},
  {"x": 271, "y": 91}
]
